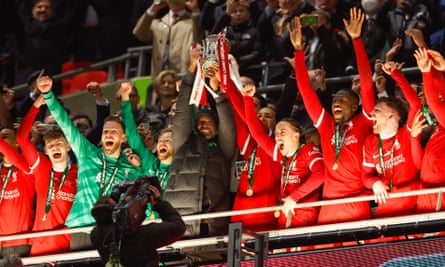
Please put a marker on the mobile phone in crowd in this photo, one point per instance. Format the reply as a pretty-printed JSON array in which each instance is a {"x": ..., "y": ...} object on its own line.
[{"x": 309, "y": 20}]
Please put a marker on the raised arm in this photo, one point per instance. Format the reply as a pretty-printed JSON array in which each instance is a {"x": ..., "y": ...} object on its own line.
[
  {"x": 308, "y": 94},
  {"x": 434, "y": 84},
  {"x": 256, "y": 128},
  {"x": 28, "y": 148},
  {"x": 80, "y": 145},
  {"x": 102, "y": 112},
  {"x": 390, "y": 68},
  {"x": 134, "y": 139},
  {"x": 13, "y": 156},
  {"x": 353, "y": 27}
]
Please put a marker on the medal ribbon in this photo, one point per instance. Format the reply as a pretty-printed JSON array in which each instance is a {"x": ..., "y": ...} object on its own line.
[
  {"x": 285, "y": 178},
  {"x": 338, "y": 142},
  {"x": 251, "y": 166},
  {"x": 223, "y": 60},
  {"x": 382, "y": 162},
  {"x": 5, "y": 181},
  {"x": 104, "y": 187},
  {"x": 49, "y": 196},
  {"x": 427, "y": 116}
]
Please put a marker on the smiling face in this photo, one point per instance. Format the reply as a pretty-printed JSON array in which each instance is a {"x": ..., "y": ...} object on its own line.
[
  {"x": 164, "y": 146},
  {"x": 42, "y": 10},
  {"x": 112, "y": 138},
  {"x": 206, "y": 126},
  {"x": 287, "y": 137},
  {"x": 344, "y": 106}
]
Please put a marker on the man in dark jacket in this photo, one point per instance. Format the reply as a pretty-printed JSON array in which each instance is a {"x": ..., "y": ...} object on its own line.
[
  {"x": 201, "y": 169},
  {"x": 135, "y": 248}
]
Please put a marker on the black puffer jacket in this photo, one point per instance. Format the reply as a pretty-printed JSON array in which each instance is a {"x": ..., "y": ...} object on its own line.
[{"x": 200, "y": 174}]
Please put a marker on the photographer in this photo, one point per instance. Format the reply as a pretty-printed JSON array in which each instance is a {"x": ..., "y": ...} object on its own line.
[{"x": 117, "y": 239}]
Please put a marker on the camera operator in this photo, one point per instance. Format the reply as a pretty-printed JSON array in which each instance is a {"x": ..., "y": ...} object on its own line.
[{"x": 136, "y": 247}]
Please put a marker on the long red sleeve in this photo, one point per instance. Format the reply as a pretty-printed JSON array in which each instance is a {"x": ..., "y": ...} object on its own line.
[
  {"x": 256, "y": 128},
  {"x": 312, "y": 183},
  {"x": 410, "y": 95},
  {"x": 365, "y": 73},
  {"x": 310, "y": 98},
  {"x": 13, "y": 156},
  {"x": 29, "y": 151},
  {"x": 414, "y": 106},
  {"x": 434, "y": 88}
]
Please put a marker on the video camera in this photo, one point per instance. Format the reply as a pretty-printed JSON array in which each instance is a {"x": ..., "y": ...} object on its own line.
[{"x": 129, "y": 213}]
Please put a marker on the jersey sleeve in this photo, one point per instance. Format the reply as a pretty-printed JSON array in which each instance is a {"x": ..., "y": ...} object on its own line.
[
  {"x": 316, "y": 177},
  {"x": 310, "y": 98},
  {"x": 256, "y": 128},
  {"x": 80, "y": 145},
  {"x": 434, "y": 87},
  {"x": 13, "y": 156},
  {"x": 29, "y": 150},
  {"x": 134, "y": 139},
  {"x": 365, "y": 73},
  {"x": 410, "y": 95}
]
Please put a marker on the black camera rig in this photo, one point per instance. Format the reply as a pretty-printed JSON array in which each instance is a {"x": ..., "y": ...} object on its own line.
[{"x": 132, "y": 197}]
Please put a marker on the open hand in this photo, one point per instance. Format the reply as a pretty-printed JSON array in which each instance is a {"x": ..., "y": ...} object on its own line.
[
  {"x": 354, "y": 26},
  {"x": 423, "y": 59}
]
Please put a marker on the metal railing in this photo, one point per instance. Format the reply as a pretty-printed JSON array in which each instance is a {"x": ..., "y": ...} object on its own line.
[
  {"x": 135, "y": 65},
  {"x": 188, "y": 245}
]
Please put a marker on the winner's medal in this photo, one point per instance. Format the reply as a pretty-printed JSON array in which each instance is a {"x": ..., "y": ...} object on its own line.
[
  {"x": 44, "y": 218},
  {"x": 276, "y": 214},
  {"x": 249, "y": 192},
  {"x": 335, "y": 166}
]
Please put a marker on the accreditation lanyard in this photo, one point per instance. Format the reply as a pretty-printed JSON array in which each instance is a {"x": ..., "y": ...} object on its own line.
[
  {"x": 251, "y": 167},
  {"x": 5, "y": 181},
  {"x": 106, "y": 185},
  {"x": 391, "y": 160},
  {"x": 338, "y": 143},
  {"x": 50, "y": 196}
]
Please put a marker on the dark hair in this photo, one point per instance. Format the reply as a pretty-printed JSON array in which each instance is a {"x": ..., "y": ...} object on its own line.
[
  {"x": 83, "y": 116},
  {"x": 52, "y": 134},
  {"x": 396, "y": 104},
  {"x": 263, "y": 101},
  {"x": 292, "y": 122}
]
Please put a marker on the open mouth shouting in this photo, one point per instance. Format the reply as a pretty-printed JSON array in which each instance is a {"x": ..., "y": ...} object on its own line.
[{"x": 57, "y": 155}]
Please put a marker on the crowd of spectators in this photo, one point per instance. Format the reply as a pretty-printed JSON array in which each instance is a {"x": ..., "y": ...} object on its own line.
[{"x": 238, "y": 149}]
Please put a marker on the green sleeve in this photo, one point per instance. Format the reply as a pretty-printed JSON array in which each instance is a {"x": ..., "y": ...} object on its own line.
[
  {"x": 80, "y": 145},
  {"x": 149, "y": 161}
]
